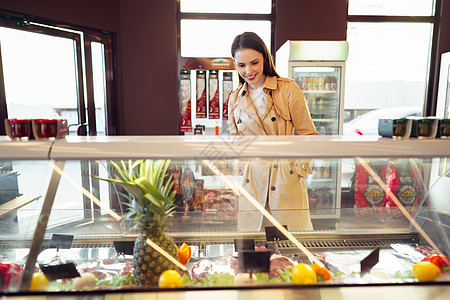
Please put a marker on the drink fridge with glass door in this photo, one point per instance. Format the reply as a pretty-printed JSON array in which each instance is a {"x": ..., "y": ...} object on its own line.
[{"x": 318, "y": 67}]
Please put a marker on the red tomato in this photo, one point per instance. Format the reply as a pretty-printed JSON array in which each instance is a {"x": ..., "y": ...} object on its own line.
[{"x": 438, "y": 260}]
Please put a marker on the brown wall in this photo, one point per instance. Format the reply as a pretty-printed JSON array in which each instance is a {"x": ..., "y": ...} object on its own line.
[
  {"x": 310, "y": 20},
  {"x": 149, "y": 67},
  {"x": 444, "y": 40},
  {"x": 146, "y": 46},
  {"x": 101, "y": 14}
]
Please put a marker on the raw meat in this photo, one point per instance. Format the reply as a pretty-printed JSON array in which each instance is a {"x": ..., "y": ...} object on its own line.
[{"x": 279, "y": 262}]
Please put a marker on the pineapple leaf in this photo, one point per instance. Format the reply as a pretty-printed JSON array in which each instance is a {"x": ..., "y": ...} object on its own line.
[
  {"x": 146, "y": 186},
  {"x": 119, "y": 170},
  {"x": 159, "y": 208},
  {"x": 150, "y": 189},
  {"x": 157, "y": 170},
  {"x": 168, "y": 187}
]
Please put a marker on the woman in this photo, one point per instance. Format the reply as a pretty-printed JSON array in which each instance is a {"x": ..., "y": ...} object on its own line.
[{"x": 266, "y": 104}]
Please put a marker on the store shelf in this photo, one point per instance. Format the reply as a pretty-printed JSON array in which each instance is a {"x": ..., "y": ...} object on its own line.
[
  {"x": 319, "y": 92},
  {"x": 324, "y": 120}
]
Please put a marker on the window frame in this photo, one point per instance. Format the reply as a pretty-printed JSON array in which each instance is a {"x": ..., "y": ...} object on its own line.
[
  {"x": 432, "y": 76},
  {"x": 85, "y": 91}
]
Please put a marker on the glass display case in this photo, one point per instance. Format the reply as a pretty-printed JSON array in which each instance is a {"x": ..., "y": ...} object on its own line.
[{"x": 58, "y": 210}]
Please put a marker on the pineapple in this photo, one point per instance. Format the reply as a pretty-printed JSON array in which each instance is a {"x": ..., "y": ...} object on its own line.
[{"x": 151, "y": 205}]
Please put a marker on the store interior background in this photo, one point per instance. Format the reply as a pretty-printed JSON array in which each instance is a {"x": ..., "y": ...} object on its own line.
[{"x": 146, "y": 46}]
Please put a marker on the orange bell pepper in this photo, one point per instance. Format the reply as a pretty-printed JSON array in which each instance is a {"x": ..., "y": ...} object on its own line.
[
  {"x": 184, "y": 253},
  {"x": 321, "y": 272}
]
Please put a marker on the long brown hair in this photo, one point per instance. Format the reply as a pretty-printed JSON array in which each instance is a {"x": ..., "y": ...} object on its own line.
[{"x": 250, "y": 40}]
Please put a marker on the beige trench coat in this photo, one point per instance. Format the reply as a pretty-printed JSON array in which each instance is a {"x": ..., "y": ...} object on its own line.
[{"x": 278, "y": 185}]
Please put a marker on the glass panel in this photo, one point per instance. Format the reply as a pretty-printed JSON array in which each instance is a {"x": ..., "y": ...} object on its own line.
[
  {"x": 215, "y": 197},
  {"x": 231, "y": 6},
  {"x": 213, "y": 38},
  {"x": 98, "y": 70},
  {"x": 391, "y": 7},
  {"x": 321, "y": 86},
  {"x": 39, "y": 72},
  {"x": 447, "y": 99},
  {"x": 386, "y": 68}
]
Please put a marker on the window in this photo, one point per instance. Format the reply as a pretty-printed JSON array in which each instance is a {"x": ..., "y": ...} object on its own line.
[
  {"x": 213, "y": 38},
  {"x": 207, "y": 27},
  {"x": 391, "y": 7},
  {"x": 39, "y": 75},
  {"x": 231, "y": 6},
  {"x": 390, "y": 47},
  {"x": 48, "y": 69},
  {"x": 53, "y": 70}
]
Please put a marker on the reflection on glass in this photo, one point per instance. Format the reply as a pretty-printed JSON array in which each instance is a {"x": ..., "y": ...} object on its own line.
[{"x": 398, "y": 204}]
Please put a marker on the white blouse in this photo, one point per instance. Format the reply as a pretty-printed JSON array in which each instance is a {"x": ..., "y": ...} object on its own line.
[{"x": 259, "y": 100}]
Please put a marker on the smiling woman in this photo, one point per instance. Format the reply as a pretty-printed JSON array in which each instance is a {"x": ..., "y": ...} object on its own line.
[{"x": 267, "y": 104}]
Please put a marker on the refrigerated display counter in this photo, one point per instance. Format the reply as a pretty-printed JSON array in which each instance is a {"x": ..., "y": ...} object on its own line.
[{"x": 72, "y": 218}]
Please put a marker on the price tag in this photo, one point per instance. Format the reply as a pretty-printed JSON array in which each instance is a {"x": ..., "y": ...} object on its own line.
[
  {"x": 54, "y": 272},
  {"x": 244, "y": 245},
  {"x": 273, "y": 234},
  {"x": 254, "y": 261},
  {"x": 62, "y": 241},
  {"x": 369, "y": 261},
  {"x": 124, "y": 247}
]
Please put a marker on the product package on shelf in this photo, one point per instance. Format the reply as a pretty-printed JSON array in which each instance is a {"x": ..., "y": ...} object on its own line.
[
  {"x": 369, "y": 196},
  {"x": 201, "y": 95},
  {"x": 214, "y": 106},
  {"x": 197, "y": 204},
  {"x": 188, "y": 186},
  {"x": 221, "y": 202},
  {"x": 226, "y": 168},
  {"x": 185, "y": 101},
  {"x": 227, "y": 89},
  {"x": 402, "y": 181}
]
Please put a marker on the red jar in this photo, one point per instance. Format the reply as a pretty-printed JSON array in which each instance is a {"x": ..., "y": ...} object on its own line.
[
  {"x": 20, "y": 128},
  {"x": 46, "y": 128}
]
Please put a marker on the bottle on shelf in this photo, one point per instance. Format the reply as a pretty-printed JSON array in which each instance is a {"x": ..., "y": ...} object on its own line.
[
  {"x": 312, "y": 199},
  {"x": 304, "y": 85},
  {"x": 321, "y": 84},
  {"x": 333, "y": 83},
  {"x": 310, "y": 83},
  {"x": 315, "y": 83},
  {"x": 313, "y": 107},
  {"x": 320, "y": 107},
  {"x": 327, "y": 83}
]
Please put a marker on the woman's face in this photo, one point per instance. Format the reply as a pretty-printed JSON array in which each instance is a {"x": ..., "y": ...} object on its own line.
[{"x": 250, "y": 65}]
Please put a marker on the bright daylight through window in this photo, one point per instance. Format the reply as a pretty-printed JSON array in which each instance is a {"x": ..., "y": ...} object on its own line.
[{"x": 388, "y": 60}]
